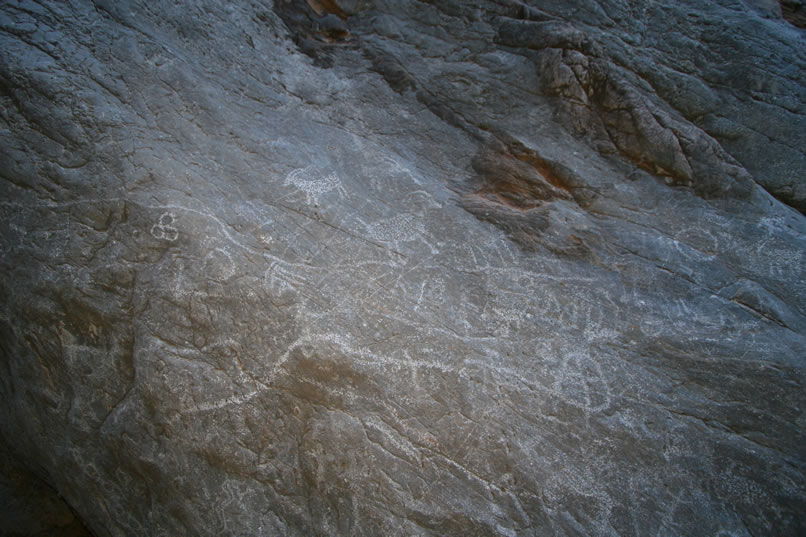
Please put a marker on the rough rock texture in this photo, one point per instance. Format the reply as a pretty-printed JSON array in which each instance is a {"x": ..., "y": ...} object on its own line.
[
  {"x": 356, "y": 267},
  {"x": 794, "y": 11},
  {"x": 31, "y": 508}
]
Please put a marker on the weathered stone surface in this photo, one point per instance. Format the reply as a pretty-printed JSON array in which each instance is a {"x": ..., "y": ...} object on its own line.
[
  {"x": 794, "y": 12},
  {"x": 405, "y": 268},
  {"x": 30, "y": 507}
]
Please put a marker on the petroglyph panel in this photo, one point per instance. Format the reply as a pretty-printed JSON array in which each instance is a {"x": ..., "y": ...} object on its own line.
[{"x": 241, "y": 295}]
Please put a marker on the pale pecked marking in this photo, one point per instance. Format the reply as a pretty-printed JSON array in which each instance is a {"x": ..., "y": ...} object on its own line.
[
  {"x": 164, "y": 229},
  {"x": 313, "y": 184}
]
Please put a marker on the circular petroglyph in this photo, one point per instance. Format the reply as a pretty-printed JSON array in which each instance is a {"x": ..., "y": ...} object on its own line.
[{"x": 164, "y": 229}]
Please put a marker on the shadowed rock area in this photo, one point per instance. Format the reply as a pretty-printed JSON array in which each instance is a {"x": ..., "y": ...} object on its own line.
[
  {"x": 396, "y": 268},
  {"x": 31, "y": 508}
]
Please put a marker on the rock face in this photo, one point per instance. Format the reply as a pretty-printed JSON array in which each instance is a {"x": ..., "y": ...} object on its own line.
[
  {"x": 355, "y": 267},
  {"x": 30, "y": 507}
]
